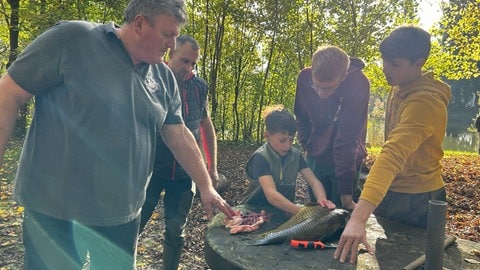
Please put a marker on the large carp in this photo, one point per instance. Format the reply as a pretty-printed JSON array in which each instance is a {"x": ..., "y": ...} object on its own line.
[{"x": 312, "y": 222}]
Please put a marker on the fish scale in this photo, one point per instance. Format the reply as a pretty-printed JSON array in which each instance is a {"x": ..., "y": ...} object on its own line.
[{"x": 312, "y": 222}]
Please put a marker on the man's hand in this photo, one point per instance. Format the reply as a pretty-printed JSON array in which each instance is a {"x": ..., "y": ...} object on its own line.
[
  {"x": 354, "y": 233},
  {"x": 210, "y": 199},
  {"x": 327, "y": 204}
]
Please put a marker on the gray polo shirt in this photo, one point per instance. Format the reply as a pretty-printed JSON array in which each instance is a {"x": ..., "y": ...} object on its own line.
[{"x": 89, "y": 151}]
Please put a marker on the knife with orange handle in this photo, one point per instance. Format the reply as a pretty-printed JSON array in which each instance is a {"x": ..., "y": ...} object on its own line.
[{"x": 305, "y": 244}]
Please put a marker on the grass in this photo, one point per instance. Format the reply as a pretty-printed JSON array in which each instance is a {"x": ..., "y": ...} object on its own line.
[{"x": 374, "y": 150}]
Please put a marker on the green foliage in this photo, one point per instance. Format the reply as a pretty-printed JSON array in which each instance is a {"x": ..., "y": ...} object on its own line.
[
  {"x": 459, "y": 154},
  {"x": 375, "y": 125},
  {"x": 37, "y": 15},
  {"x": 252, "y": 51},
  {"x": 374, "y": 150},
  {"x": 378, "y": 84},
  {"x": 459, "y": 28},
  {"x": 448, "y": 154},
  {"x": 3, "y": 47}
]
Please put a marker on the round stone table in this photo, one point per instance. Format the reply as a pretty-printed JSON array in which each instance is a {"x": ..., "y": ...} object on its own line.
[{"x": 395, "y": 246}]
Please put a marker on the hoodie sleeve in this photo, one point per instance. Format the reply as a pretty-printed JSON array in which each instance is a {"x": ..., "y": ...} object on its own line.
[
  {"x": 349, "y": 143},
  {"x": 409, "y": 161}
]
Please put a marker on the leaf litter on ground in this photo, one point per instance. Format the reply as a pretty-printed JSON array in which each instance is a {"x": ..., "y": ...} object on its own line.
[{"x": 461, "y": 174}]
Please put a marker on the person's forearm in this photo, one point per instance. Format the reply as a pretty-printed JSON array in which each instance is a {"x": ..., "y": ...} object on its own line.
[
  {"x": 314, "y": 183},
  {"x": 209, "y": 142},
  {"x": 362, "y": 211},
  {"x": 12, "y": 98},
  {"x": 7, "y": 124},
  {"x": 319, "y": 191},
  {"x": 282, "y": 203},
  {"x": 186, "y": 151}
]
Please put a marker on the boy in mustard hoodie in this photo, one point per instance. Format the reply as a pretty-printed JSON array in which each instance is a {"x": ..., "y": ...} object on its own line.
[{"x": 407, "y": 171}]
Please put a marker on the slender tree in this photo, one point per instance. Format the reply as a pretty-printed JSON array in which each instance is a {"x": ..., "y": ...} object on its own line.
[{"x": 13, "y": 26}]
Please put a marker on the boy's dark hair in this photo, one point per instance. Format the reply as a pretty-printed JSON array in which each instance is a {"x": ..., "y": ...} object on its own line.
[
  {"x": 279, "y": 120},
  {"x": 408, "y": 42}
]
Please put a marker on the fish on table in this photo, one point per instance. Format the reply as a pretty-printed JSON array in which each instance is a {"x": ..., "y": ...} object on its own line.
[{"x": 312, "y": 222}]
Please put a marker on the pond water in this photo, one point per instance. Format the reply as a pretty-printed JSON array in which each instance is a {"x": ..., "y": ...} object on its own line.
[
  {"x": 461, "y": 135},
  {"x": 465, "y": 142},
  {"x": 462, "y": 140}
]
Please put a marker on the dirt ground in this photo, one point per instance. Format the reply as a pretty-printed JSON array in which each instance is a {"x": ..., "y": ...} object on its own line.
[{"x": 461, "y": 174}]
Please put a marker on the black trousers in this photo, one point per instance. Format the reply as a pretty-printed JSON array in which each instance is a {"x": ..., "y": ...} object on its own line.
[{"x": 409, "y": 208}]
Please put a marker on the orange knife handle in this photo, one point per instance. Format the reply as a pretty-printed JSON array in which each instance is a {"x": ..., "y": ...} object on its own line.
[{"x": 303, "y": 244}]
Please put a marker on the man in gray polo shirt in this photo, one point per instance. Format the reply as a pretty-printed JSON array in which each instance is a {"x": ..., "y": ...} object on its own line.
[{"x": 102, "y": 93}]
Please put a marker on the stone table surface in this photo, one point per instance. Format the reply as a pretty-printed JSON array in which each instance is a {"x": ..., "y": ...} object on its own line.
[{"x": 395, "y": 246}]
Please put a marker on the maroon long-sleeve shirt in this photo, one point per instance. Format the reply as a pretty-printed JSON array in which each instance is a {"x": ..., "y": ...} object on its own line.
[{"x": 333, "y": 130}]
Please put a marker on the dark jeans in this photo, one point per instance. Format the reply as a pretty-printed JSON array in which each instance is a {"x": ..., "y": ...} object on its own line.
[
  {"x": 409, "y": 208},
  {"x": 52, "y": 243},
  {"x": 177, "y": 202},
  {"x": 326, "y": 175}
]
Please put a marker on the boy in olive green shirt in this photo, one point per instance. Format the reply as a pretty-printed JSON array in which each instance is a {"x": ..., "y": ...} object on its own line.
[{"x": 274, "y": 166}]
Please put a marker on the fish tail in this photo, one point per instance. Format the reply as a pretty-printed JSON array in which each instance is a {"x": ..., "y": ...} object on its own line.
[
  {"x": 271, "y": 238},
  {"x": 261, "y": 241}
]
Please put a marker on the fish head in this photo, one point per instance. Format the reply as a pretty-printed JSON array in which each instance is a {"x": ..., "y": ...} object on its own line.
[{"x": 342, "y": 216}]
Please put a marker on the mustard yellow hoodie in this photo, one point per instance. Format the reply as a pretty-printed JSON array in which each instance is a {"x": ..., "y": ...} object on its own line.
[{"x": 415, "y": 124}]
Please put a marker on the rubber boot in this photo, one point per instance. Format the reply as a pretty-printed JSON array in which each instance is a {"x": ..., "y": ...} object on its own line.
[{"x": 171, "y": 257}]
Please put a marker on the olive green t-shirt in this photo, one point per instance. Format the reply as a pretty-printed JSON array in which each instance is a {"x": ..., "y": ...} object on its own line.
[{"x": 89, "y": 151}]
